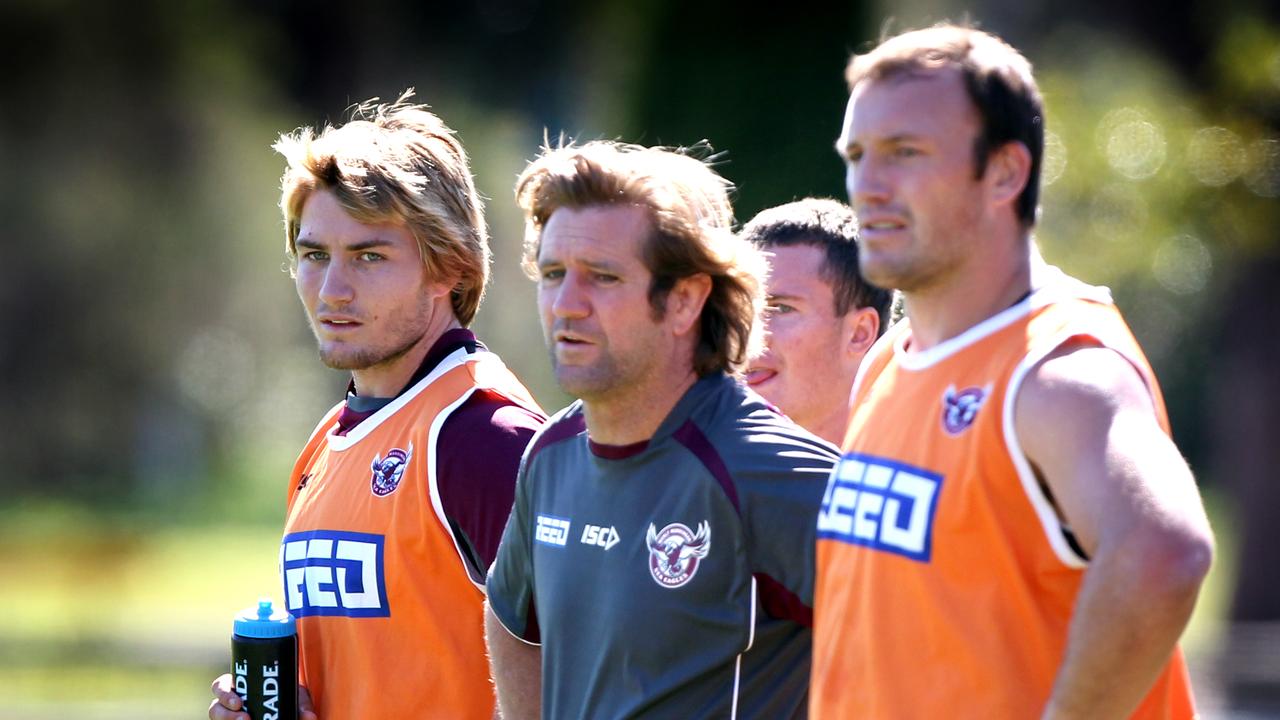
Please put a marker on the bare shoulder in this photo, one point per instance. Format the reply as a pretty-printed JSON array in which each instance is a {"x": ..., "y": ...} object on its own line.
[{"x": 1079, "y": 381}]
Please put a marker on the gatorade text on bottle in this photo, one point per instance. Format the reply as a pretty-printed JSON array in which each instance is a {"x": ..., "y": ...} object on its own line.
[{"x": 264, "y": 662}]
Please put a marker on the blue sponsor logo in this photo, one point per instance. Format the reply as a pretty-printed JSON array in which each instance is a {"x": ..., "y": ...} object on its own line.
[
  {"x": 881, "y": 504},
  {"x": 331, "y": 572},
  {"x": 551, "y": 530}
]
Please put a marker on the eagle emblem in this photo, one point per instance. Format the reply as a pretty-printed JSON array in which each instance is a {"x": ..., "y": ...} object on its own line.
[
  {"x": 675, "y": 551},
  {"x": 960, "y": 408},
  {"x": 387, "y": 471}
]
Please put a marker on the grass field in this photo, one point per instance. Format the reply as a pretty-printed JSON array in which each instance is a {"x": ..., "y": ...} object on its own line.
[
  {"x": 113, "y": 621},
  {"x": 120, "y": 622}
]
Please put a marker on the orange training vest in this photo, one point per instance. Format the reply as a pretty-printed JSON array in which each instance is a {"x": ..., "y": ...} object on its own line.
[
  {"x": 945, "y": 581},
  {"x": 391, "y": 620}
]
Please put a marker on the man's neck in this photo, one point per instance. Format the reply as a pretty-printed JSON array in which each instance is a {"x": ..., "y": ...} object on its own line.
[
  {"x": 989, "y": 284},
  {"x": 833, "y": 427},
  {"x": 389, "y": 378},
  {"x": 634, "y": 414}
]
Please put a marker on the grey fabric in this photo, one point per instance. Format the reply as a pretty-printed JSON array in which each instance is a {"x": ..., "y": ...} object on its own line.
[{"x": 617, "y": 642}]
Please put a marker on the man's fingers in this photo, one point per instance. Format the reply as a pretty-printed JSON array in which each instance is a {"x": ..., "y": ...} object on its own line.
[
  {"x": 225, "y": 701},
  {"x": 306, "y": 711},
  {"x": 219, "y": 712}
]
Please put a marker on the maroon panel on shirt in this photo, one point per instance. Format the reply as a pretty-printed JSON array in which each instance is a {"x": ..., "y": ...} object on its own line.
[
  {"x": 781, "y": 603},
  {"x": 616, "y": 452},
  {"x": 690, "y": 436},
  {"x": 775, "y": 598},
  {"x": 562, "y": 429},
  {"x": 478, "y": 457}
]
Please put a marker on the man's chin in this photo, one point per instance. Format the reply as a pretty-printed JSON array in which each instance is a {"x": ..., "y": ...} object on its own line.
[{"x": 335, "y": 360}]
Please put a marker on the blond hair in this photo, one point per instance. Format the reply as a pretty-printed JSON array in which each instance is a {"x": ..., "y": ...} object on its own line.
[
  {"x": 398, "y": 163},
  {"x": 688, "y": 206}
]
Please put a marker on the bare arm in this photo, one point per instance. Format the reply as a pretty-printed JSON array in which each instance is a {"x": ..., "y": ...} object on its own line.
[
  {"x": 1086, "y": 421},
  {"x": 517, "y": 671}
]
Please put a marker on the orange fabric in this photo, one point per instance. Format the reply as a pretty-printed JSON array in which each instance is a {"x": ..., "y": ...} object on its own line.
[
  {"x": 974, "y": 625},
  {"x": 426, "y": 658}
]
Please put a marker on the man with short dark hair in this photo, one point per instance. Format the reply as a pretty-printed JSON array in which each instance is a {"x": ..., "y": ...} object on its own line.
[
  {"x": 821, "y": 316},
  {"x": 1011, "y": 531}
]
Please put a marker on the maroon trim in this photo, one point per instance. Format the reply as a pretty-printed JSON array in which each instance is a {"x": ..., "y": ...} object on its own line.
[
  {"x": 444, "y": 345},
  {"x": 532, "y": 633},
  {"x": 781, "y": 603},
  {"x": 558, "y": 430},
  {"x": 616, "y": 452},
  {"x": 690, "y": 436},
  {"x": 348, "y": 419}
]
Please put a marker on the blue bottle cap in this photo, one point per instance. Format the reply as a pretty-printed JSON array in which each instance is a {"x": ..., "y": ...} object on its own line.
[{"x": 264, "y": 621}]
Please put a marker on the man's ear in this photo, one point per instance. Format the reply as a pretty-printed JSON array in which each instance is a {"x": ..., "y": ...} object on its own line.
[
  {"x": 685, "y": 301},
  {"x": 1008, "y": 170},
  {"x": 862, "y": 327}
]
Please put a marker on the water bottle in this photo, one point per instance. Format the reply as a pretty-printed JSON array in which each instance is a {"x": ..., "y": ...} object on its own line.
[{"x": 264, "y": 662}]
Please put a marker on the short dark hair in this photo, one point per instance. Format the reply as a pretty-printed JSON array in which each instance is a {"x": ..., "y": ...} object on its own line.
[
  {"x": 831, "y": 226},
  {"x": 998, "y": 80}
]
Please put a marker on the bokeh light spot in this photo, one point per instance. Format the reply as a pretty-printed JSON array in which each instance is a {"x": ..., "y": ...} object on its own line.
[
  {"x": 1054, "y": 161},
  {"x": 216, "y": 370},
  {"x": 1182, "y": 265},
  {"x": 1263, "y": 177},
  {"x": 1215, "y": 156},
  {"x": 1134, "y": 146}
]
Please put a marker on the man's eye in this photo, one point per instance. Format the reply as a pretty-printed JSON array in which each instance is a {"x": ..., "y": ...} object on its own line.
[
  {"x": 778, "y": 309},
  {"x": 906, "y": 152},
  {"x": 552, "y": 274},
  {"x": 371, "y": 256},
  {"x": 606, "y": 278},
  {"x": 315, "y": 256}
]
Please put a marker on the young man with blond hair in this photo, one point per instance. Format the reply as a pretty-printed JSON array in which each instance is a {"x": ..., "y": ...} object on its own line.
[
  {"x": 1011, "y": 531},
  {"x": 658, "y": 559},
  {"x": 398, "y": 500},
  {"x": 821, "y": 317}
]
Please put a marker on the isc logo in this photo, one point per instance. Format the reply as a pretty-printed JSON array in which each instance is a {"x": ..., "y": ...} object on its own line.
[
  {"x": 330, "y": 572},
  {"x": 552, "y": 530},
  {"x": 880, "y": 504},
  {"x": 605, "y": 537}
]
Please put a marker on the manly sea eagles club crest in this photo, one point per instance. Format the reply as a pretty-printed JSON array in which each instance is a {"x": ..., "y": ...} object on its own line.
[
  {"x": 388, "y": 470},
  {"x": 960, "y": 408},
  {"x": 674, "y": 552}
]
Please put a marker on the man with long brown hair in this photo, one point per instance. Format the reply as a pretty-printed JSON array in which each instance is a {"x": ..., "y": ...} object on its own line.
[{"x": 658, "y": 560}]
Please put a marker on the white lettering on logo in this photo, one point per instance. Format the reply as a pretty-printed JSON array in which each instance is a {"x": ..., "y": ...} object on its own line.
[
  {"x": 605, "y": 537},
  {"x": 329, "y": 572},
  {"x": 881, "y": 504},
  {"x": 552, "y": 530},
  {"x": 271, "y": 691}
]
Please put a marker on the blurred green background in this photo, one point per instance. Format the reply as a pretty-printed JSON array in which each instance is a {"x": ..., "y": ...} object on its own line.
[{"x": 160, "y": 379}]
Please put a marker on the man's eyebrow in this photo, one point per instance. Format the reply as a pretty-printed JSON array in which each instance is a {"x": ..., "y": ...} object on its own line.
[
  {"x": 308, "y": 242},
  {"x": 843, "y": 149}
]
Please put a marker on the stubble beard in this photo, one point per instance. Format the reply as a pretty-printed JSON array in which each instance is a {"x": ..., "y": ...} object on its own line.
[
  {"x": 402, "y": 336},
  {"x": 587, "y": 382},
  {"x": 364, "y": 358}
]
